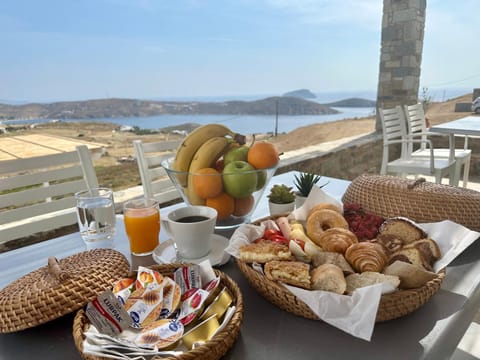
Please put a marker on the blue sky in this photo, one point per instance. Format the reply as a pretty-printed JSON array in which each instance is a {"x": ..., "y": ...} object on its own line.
[{"x": 56, "y": 50}]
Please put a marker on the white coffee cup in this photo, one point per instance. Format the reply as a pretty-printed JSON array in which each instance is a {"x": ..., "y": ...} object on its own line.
[{"x": 191, "y": 228}]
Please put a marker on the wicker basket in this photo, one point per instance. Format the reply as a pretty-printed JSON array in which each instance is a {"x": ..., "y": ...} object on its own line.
[
  {"x": 391, "y": 306},
  {"x": 213, "y": 349},
  {"x": 59, "y": 288},
  {"x": 421, "y": 201}
]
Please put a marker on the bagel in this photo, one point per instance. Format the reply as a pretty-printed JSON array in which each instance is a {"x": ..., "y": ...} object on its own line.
[
  {"x": 337, "y": 239},
  {"x": 328, "y": 206},
  {"x": 321, "y": 220}
]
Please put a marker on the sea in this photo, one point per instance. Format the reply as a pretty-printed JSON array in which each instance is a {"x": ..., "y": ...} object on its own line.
[{"x": 246, "y": 124}]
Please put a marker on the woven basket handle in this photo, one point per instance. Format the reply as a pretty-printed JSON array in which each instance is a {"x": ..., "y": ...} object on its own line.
[
  {"x": 413, "y": 183},
  {"x": 55, "y": 269}
]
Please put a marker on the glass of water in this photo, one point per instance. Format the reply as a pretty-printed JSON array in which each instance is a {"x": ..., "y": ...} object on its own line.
[{"x": 96, "y": 217}]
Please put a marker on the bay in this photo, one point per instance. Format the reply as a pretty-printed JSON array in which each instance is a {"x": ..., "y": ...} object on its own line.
[{"x": 246, "y": 124}]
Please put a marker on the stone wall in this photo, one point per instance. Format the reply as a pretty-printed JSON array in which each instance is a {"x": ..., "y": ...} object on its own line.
[
  {"x": 403, "y": 25},
  {"x": 364, "y": 156}
]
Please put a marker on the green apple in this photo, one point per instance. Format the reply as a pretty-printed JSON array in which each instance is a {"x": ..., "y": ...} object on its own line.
[
  {"x": 236, "y": 154},
  {"x": 239, "y": 179}
]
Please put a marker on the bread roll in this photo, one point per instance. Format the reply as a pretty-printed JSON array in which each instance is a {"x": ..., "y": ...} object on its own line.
[
  {"x": 368, "y": 278},
  {"x": 334, "y": 258},
  {"x": 328, "y": 277},
  {"x": 366, "y": 256},
  {"x": 403, "y": 228}
]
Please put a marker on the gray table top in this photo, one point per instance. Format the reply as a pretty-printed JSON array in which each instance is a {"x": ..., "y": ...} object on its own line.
[
  {"x": 469, "y": 125},
  {"x": 431, "y": 332}
]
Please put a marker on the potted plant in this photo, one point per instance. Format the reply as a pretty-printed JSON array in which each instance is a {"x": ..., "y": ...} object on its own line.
[
  {"x": 304, "y": 184},
  {"x": 281, "y": 199}
]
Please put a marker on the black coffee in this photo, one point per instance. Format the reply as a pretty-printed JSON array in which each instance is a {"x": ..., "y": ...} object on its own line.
[{"x": 192, "y": 219}]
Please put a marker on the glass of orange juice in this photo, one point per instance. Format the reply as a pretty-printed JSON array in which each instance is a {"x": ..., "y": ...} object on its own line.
[{"x": 142, "y": 224}]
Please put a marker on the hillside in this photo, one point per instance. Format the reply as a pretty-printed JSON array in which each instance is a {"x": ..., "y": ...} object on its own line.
[
  {"x": 302, "y": 93},
  {"x": 353, "y": 102},
  {"x": 116, "y": 108}
]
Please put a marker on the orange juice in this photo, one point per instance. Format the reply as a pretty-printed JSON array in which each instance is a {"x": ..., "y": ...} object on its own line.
[{"x": 142, "y": 227}]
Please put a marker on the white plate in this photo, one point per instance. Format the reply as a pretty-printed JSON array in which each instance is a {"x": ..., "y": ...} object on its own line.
[{"x": 165, "y": 253}]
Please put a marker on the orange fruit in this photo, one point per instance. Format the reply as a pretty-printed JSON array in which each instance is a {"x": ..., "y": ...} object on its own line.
[
  {"x": 243, "y": 205},
  {"x": 223, "y": 203},
  {"x": 207, "y": 183},
  {"x": 263, "y": 155}
]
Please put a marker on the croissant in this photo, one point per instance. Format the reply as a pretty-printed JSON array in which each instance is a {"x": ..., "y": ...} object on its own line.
[
  {"x": 337, "y": 240},
  {"x": 366, "y": 256}
]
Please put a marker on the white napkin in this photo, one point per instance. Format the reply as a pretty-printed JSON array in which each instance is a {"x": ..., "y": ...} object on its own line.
[{"x": 356, "y": 314}]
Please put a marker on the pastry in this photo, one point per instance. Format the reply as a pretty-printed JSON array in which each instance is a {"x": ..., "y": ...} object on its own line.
[
  {"x": 328, "y": 277},
  {"x": 366, "y": 256},
  {"x": 328, "y": 206},
  {"x": 411, "y": 255},
  {"x": 294, "y": 273},
  {"x": 429, "y": 249},
  {"x": 321, "y": 220},
  {"x": 337, "y": 240},
  {"x": 390, "y": 242},
  {"x": 264, "y": 251}
]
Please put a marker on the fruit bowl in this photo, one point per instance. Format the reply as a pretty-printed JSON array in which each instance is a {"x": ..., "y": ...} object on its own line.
[{"x": 237, "y": 190}]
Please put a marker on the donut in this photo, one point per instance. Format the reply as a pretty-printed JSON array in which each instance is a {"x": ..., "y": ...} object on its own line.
[
  {"x": 321, "y": 206},
  {"x": 321, "y": 220},
  {"x": 337, "y": 239}
]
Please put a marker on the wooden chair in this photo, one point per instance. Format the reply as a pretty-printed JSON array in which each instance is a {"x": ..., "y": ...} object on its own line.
[
  {"x": 417, "y": 126},
  {"x": 37, "y": 194},
  {"x": 395, "y": 133},
  {"x": 155, "y": 181}
]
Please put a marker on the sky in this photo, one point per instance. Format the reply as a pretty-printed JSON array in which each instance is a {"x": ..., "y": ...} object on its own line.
[{"x": 60, "y": 50}]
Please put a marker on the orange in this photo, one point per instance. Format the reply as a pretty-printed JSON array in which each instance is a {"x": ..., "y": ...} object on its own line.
[
  {"x": 263, "y": 155},
  {"x": 243, "y": 205},
  {"x": 223, "y": 203},
  {"x": 207, "y": 183}
]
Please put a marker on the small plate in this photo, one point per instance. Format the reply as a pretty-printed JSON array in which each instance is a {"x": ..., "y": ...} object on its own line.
[{"x": 165, "y": 253}]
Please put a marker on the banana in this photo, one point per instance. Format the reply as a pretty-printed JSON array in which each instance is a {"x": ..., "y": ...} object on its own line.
[
  {"x": 206, "y": 156},
  {"x": 192, "y": 143}
]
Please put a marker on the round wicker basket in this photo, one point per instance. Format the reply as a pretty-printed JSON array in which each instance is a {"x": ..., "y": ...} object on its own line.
[
  {"x": 59, "y": 288},
  {"x": 213, "y": 349},
  {"x": 392, "y": 306}
]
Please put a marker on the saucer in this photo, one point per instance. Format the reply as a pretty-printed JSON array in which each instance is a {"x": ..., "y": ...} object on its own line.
[{"x": 166, "y": 253}]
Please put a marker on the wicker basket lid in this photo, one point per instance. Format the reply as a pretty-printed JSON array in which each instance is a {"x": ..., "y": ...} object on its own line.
[
  {"x": 59, "y": 288},
  {"x": 418, "y": 200}
]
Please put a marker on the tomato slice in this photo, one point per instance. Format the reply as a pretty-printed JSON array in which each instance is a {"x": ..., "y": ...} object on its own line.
[{"x": 270, "y": 233}]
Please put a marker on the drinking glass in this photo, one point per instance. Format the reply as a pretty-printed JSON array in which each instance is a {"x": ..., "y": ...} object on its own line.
[
  {"x": 96, "y": 217},
  {"x": 142, "y": 224}
]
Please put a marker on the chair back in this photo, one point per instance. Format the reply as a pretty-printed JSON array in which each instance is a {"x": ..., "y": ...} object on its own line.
[
  {"x": 37, "y": 194},
  {"x": 416, "y": 122},
  {"x": 155, "y": 181},
  {"x": 394, "y": 127}
]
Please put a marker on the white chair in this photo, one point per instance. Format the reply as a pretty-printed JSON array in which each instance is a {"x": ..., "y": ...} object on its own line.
[
  {"x": 395, "y": 133},
  {"x": 37, "y": 194},
  {"x": 155, "y": 181},
  {"x": 417, "y": 126}
]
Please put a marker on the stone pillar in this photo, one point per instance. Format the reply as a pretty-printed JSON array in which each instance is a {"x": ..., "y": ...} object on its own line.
[{"x": 403, "y": 26}]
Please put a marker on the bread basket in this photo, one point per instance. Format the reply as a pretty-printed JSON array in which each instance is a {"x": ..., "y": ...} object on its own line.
[
  {"x": 391, "y": 306},
  {"x": 213, "y": 349}
]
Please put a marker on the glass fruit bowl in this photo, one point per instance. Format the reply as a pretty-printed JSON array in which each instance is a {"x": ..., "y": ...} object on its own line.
[{"x": 233, "y": 191}]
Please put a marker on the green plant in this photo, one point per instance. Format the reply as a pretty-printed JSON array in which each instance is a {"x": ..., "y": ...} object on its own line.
[
  {"x": 305, "y": 182},
  {"x": 281, "y": 194}
]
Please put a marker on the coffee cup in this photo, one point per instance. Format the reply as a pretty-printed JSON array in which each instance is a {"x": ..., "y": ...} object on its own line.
[{"x": 191, "y": 228}]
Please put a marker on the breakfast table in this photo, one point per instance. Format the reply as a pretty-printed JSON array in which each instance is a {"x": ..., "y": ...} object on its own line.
[{"x": 267, "y": 332}]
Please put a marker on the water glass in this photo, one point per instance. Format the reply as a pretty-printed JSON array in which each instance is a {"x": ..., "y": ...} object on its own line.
[
  {"x": 96, "y": 217},
  {"x": 142, "y": 224}
]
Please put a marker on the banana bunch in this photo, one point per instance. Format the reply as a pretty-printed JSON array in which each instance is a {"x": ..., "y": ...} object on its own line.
[{"x": 200, "y": 149}]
